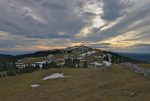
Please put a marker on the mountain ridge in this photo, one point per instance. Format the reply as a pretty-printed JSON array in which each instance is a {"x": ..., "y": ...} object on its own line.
[{"x": 61, "y": 51}]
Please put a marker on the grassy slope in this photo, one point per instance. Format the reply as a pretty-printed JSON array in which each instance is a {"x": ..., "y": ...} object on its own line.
[
  {"x": 115, "y": 84},
  {"x": 146, "y": 66},
  {"x": 37, "y": 59}
]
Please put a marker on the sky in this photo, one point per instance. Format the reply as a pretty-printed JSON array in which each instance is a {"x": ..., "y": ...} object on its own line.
[{"x": 115, "y": 25}]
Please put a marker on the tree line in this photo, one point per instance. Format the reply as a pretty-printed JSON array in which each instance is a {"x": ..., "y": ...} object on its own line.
[{"x": 12, "y": 70}]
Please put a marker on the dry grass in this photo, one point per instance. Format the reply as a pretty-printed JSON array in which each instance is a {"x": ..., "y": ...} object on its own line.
[
  {"x": 115, "y": 84},
  {"x": 146, "y": 66},
  {"x": 3, "y": 72},
  {"x": 33, "y": 60}
]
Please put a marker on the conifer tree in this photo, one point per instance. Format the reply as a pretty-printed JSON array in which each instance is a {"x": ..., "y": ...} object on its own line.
[
  {"x": 12, "y": 70},
  {"x": 85, "y": 64}
]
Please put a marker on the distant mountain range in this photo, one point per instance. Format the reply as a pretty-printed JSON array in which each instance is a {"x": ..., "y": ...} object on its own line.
[
  {"x": 8, "y": 58},
  {"x": 137, "y": 56}
]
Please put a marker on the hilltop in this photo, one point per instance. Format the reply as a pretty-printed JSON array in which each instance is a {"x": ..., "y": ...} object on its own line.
[
  {"x": 76, "y": 56},
  {"x": 61, "y": 51},
  {"x": 85, "y": 74}
]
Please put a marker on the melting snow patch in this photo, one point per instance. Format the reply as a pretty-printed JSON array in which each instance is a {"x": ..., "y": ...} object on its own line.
[
  {"x": 54, "y": 76},
  {"x": 107, "y": 63},
  {"x": 88, "y": 53},
  {"x": 34, "y": 85}
]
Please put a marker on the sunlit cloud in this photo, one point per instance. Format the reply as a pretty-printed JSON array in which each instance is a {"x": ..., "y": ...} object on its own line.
[
  {"x": 126, "y": 40},
  {"x": 95, "y": 21},
  {"x": 115, "y": 25}
]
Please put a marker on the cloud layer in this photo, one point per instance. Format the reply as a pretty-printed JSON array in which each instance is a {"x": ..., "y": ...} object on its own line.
[{"x": 116, "y": 25}]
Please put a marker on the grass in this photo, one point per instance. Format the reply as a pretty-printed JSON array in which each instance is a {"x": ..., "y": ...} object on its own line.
[
  {"x": 91, "y": 84},
  {"x": 3, "y": 72},
  {"x": 33, "y": 60},
  {"x": 146, "y": 66}
]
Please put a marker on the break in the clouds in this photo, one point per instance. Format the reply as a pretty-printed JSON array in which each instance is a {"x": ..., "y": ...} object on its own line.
[{"x": 116, "y": 25}]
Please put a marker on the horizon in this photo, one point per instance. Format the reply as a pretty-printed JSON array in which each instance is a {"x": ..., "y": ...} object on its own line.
[
  {"x": 32, "y": 52},
  {"x": 28, "y": 26}
]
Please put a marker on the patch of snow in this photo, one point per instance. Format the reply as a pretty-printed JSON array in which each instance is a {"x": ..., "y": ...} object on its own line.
[
  {"x": 92, "y": 63},
  {"x": 91, "y": 52},
  {"x": 96, "y": 64},
  {"x": 83, "y": 54},
  {"x": 88, "y": 53},
  {"x": 107, "y": 63},
  {"x": 34, "y": 85},
  {"x": 80, "y": 58},
  {"x": 54, "y": 76},
  {"x": 43, "y": 62},
  {"x": 110, "y": 59},
  {"x": 62, "y": 63},
  {"x": 33, "y": 65},
  {"x": 104, "y": 56}
]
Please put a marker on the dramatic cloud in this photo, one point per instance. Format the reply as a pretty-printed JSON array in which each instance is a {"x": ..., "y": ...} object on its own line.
[{"x": 32, "y": 25}]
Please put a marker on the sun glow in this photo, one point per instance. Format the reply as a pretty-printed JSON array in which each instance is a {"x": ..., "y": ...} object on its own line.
[
  {"x": 124, "y": 40},
  {"x": 98, "y": 22},
  {"x": 95, "y": 21}
]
